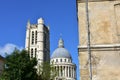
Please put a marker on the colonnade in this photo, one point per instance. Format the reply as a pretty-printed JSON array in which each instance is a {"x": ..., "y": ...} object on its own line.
[{"x": 66, "y": 71}]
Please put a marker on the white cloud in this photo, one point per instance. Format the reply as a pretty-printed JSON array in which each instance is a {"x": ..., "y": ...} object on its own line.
[{"x": 8, "y": 48}]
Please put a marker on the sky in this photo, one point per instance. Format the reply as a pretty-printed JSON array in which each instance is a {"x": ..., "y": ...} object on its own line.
[{"x": 59, "y": 15}]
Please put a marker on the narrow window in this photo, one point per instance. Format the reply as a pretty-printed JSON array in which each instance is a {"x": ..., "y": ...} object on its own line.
[
  {"x": 32, "y": 37},
  {"x": 56, "y": 60},
  {"x": 65, "y": 60},
  {"x": 31, "y": 53},
  {"x": 35, "y": 37},
  {"x": 35, "y": 52},
  {"x": 60, "y": 60}
]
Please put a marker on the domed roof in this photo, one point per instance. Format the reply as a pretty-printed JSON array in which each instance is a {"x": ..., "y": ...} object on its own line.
[{"x": 61, "y": 52}]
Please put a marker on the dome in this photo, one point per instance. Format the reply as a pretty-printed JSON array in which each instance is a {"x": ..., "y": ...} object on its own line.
[{"x": 61, "y": 52}]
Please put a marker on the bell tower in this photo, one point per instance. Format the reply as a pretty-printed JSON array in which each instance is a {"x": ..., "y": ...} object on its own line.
[
  {"x": 104, "y": 18},
  {"x": 37, "y": 41}
]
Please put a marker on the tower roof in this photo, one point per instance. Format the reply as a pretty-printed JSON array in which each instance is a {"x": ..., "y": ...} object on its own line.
[{"x": 40, "y": 21}]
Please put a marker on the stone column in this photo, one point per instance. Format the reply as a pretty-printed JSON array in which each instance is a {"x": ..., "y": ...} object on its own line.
[
  {"x": 72, "y": 71},
  {"x": 65, "y": 71},
  {"x": 68, "y": 71},
  {"x": 57, "y": 70},
  {"x": 61, "y": 71}
]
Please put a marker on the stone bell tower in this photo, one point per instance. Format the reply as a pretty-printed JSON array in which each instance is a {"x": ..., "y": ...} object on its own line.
[
  {"x": 104, "y": 18},
  {"x": 37, "y": 41}
]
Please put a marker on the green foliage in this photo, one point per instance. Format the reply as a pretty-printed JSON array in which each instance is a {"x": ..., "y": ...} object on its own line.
[
  {"x": 47, "y": 71},
  {"x": 19, "y": 66}
]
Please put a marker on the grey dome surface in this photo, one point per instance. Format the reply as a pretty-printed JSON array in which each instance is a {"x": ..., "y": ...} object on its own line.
[{"x": 61, "y": 53}]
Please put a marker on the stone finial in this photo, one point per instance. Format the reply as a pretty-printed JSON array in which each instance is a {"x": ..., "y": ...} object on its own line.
[{"x": 40, "y": 21}]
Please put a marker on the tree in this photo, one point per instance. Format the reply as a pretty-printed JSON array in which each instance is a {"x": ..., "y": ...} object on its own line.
[
  {"x": 19, "y": 66},
  {"x": 47, "y": 71}
]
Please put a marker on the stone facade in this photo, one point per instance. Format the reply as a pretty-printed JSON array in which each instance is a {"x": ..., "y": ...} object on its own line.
[
  {"x": 1, "y": 64},
  {"x": 104, "y": 17},
  {"x": 37, "y": 41}
]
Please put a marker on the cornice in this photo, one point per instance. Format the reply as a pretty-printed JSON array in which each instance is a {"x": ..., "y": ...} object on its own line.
[
  {"x": 82, "y": 1},
  {"x": 107, "y": 47}
]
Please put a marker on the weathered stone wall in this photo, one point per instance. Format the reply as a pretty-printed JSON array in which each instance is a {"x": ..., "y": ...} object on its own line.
[
  {"x": 105, "y": 62},
  {"x": 104, "y": 22},
  {"x": 105, "y": 39}
]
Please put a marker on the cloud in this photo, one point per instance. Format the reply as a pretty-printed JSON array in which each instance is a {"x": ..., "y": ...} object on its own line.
[{"x": 8, "y": 48}]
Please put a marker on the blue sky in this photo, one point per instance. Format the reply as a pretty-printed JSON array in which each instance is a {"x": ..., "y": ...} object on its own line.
[{"x": 60, "y": 15}]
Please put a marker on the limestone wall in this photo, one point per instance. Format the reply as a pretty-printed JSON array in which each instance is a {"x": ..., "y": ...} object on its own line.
[
  {"x": 105, "y": 39},
  {"x": 105, "y": 62},
  {"x": 104, "y": 22}
]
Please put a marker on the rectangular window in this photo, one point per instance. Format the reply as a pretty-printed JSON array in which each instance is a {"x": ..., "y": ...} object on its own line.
[
  {"x": 31, "y": 53},
  {"x": 35, "y": 52},
  {"x": 65, "y": 60},
  {"x": 56, "y": 60},
  {"x": 60, "y": 60},
  {"x": 35, "y": 37},
  {"x": 32, "y": 37}
]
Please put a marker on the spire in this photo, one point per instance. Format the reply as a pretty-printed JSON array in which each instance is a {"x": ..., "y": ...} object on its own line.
[
  {"x": 28, "y": 24},
  {"x": 48, "y": 27},
  {"x": 61, "y": 43}
]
